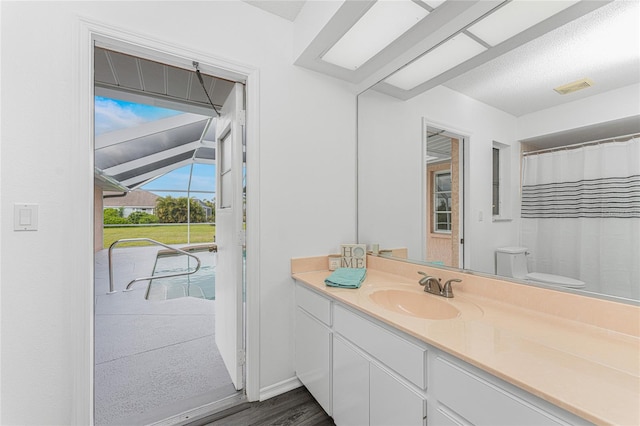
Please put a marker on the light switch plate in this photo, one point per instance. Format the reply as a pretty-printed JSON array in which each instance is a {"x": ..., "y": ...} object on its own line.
[{"x": 25, "y": 217}]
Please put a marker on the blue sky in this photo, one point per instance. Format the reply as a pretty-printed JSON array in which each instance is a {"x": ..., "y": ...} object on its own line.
[
  {"x": 203, "y": 179},
  {"x": 112, "y": 114}
]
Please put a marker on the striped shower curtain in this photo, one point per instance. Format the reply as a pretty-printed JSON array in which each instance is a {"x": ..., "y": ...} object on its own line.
[{"x": 581, "y": 215}]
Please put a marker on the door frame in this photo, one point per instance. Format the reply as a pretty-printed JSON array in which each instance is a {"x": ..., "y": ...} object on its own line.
[
  {"x": 464, "y": 137},
  {"x": 124, "y": 40}
]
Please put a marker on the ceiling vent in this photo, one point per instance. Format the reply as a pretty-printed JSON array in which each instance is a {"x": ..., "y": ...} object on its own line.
[{"x": 574, "y": 87}]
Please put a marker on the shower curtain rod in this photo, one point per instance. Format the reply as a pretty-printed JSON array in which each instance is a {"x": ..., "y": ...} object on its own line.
[{"x": 622, "y": 138}]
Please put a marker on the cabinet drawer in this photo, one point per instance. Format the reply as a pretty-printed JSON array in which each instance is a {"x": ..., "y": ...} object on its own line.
[
  {"x": 482, "y": 402},
  {"x": 402, "y": 356},
  {"x": 313, "y": 303}
]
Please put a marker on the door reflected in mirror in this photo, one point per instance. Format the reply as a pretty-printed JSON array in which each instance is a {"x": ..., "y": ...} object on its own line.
[{"x": 444, "y": 192}]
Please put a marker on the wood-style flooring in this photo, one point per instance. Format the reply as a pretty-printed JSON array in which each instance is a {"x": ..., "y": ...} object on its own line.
[{"x": 294, "y": 408}]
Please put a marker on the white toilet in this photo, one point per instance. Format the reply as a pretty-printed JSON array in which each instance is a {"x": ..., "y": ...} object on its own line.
[{"x": 512, "y": 262}]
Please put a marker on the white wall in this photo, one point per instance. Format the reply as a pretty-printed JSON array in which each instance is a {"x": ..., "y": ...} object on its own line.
[
  {"x": 1, "y": 215},
  {"x": 601, "y": 108},
  {"x": 306, "y": 135},
  {"x": 390, "y": 170}
]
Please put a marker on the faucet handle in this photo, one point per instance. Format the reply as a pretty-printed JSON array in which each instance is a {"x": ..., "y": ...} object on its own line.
[
  {"x": 425, "y": 280},
  {"x": 446, "y": 289}
]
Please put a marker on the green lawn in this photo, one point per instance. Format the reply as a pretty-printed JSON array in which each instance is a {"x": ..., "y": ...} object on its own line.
[{"x": 167, "y": 234}]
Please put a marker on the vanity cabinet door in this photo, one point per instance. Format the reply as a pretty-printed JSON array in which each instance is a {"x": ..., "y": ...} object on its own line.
[
  {"x": 389, "y": 348},
  {"x": 482, "y": 399},
  {"x": 350, "y": 385},
  {"x": 312, "y": 357},
  {"x": 392, "y": 402}
]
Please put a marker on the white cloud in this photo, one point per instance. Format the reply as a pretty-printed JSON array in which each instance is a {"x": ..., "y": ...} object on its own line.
[{"x": 110, "y": 116}]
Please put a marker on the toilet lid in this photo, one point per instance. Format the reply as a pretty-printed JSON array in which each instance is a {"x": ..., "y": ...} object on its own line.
[{"x": 555, "y": 280}]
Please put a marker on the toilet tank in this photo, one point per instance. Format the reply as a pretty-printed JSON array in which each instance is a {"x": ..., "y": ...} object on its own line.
[{"x": 511, "y": 262}]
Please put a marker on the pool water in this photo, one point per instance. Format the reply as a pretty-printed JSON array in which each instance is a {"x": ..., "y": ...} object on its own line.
[{"x": 202, "y": 284}]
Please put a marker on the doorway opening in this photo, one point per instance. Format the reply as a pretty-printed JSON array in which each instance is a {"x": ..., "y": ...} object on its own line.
[
  {"x": 443, "y": 175},
  {"x": 160, "y": 354}
]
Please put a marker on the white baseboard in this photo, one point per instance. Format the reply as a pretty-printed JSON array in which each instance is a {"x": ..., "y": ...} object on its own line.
[{"x": 279, "y": 388}]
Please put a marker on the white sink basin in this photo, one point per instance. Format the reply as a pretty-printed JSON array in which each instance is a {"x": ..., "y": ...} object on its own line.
[{"x": 427, "y": 306}]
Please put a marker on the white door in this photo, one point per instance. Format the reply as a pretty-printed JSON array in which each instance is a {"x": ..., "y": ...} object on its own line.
[{"x": 230, "y": 234}]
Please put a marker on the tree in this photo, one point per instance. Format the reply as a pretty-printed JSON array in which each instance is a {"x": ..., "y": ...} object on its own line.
[
  {"x": 166, "y": 208},
  {"x": 174, "y": 210},
  {"x": 113, "y": 217},
  {"x": 142, "y": 217}
]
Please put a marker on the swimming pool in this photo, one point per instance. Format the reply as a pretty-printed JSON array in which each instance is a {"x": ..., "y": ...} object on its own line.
[{"x": 202, "y": 284}]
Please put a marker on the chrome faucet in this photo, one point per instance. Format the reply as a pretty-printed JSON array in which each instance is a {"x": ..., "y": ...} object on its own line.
[
  {"x": 432, "y": 285},
  {"x": 446, "y": 290}
]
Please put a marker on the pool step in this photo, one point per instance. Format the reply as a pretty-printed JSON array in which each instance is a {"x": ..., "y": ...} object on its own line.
[
  {"x": 161, "y": 291},
  {"x": 210, "y": 247}
]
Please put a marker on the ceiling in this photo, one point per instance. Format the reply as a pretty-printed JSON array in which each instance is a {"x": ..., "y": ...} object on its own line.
[
  {"x": 130, "y": 78},
  {"x": 287, "y": 9},
  {"x": 603, "y": 46},
  {"x": 129, "y": 158},
  {"x": 438, "y": 145},
  {"x": 599, "y": 40}
]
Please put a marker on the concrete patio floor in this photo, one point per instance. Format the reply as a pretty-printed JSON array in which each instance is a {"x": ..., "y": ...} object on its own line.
[{"x": 153, "y": 359}]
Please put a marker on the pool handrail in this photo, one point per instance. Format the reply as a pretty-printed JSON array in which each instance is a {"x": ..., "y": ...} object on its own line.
[{"x": 129, "y": 240}]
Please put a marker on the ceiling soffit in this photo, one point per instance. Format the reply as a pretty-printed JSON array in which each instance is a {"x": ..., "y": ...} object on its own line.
[
  {"x": 439, "y": 25},
  {"x": 571, "y": 13},
  {"x": 447, "y": 20},
  {"x": 594, "y": 132},
  {"x": 130, "y": 78}
]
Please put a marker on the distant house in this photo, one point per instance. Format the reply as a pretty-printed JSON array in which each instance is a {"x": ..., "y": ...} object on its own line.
[
  {"x": 135, "y": 201},
  {"x": 207, "y": 210}
]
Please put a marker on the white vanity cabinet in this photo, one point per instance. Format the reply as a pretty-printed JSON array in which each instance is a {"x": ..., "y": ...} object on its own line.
[
  {"x": 350, "y": 385},
  {"x": 392, "y": 402},
  {"x": 365, "y": 393},
  {"x": 463, "y": 395},
  {"x": 359, "y": 372},
  {"x": 386, "y": 368},
  {"x": 313, "y": 341},
  {"x": 365, "y": 372}
]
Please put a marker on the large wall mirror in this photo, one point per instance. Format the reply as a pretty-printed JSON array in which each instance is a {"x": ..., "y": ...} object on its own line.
[{"x": 467, "y": 151}]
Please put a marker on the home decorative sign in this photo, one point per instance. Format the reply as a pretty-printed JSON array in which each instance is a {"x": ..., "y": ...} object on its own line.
[{"x": 353, "y": 255}]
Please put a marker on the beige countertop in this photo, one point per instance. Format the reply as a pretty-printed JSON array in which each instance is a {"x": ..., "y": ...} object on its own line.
[{"x": 582, "y": 362}]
